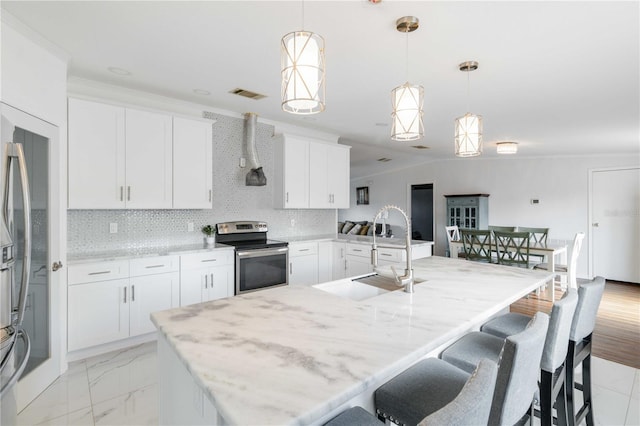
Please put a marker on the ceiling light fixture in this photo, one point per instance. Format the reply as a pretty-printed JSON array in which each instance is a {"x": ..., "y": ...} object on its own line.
[
  {"x": 507, "y": 147},
  {"x": 302, "y": 60},
  {"x": 119, "y": 71},
  {"x": 468, "y": 129},
  {"x": 201, "y": 92},
  {"x": 407, "y": 99}
]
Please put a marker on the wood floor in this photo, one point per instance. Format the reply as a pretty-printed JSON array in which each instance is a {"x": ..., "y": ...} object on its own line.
[{"x": 617, "y": 333}]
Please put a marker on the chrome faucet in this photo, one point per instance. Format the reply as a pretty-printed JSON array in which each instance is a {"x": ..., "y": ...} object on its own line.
[{"x": 405, "y": 280}]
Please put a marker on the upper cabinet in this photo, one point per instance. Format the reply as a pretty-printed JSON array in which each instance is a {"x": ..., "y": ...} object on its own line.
[
  {"x": 192, "y": 164},
  {"x": 311, "y": 174},
  {"x": 127, "y": 158}
]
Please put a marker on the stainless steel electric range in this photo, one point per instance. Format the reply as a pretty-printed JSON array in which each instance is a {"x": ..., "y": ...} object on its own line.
[{"x": 260, "y": 263}]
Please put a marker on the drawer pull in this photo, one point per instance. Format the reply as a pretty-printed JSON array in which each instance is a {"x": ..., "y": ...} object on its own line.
[
  {"x": 358, "y": 250},
  {"x": 133, "y": 293},
  {"x": 209, "y": 260},
  {"x": 99, "y": 273},
  {"x": 154, "y": 266},
  {"x": 386, "y": 254},
  {"x": 304, "y": 249},
  {"x": 125, "y": 295}
]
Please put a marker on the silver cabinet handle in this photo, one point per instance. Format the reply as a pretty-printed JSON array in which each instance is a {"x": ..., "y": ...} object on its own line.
[
  {"x": 358, "y": 250},
  {"x": 211, "y": 280},
  {"x": 56, "y": 266},
  {"x": 595, "y": 224},
  {"x": 209, "y": 260},
  {"x": 154, "y": 266},
  {"x": 121, "y": 193},
  {"x": 304, "y": 249},
  {"x": 133, "y": 293},
  {"x": 287, "y": 197},
  {"x": 99, "y": 273},
  {"x": 206, "y": 281},
  {"x": 386, "y": 254},
  {"x": 290, "y": 268},
  {"x": 329, "y": 198},
  {"x": 209, "y": 195},
  {"x": 125, "y": 295},
  {"x": 341, "y": 252},
  {"x": 128, "y": 193}
]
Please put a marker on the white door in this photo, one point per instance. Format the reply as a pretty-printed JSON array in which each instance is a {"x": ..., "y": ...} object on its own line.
[
  {"x": 48, "y": 220},
  {"x": 615, "y": 224}
]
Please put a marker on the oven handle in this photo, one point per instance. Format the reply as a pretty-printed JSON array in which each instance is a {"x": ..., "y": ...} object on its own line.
[{"x": 247, "y": 254}]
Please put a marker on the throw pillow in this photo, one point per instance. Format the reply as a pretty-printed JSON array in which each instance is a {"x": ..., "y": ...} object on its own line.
[
  {"x": 340, "y": 226},
  {"x": 355, "y": 230},
  {"x": 347, "y": 227},
  {"x": 364, "y": 230}
]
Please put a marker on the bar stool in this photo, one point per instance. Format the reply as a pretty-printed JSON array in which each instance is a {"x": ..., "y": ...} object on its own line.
[
  {"x": 451, "y": 396},
  {"x": 584, "y": 321},
  {"x": 519, "y": 356},
  {"x": 553, "y": 364}
]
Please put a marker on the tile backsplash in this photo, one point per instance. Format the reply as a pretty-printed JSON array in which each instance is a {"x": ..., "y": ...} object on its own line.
[{"x": 88, "y": 230}]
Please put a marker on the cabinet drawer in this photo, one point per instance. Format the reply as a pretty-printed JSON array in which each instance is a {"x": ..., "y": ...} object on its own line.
[
  {"x": 464, "y": 201},
  {"x": 153, "y": 265},
  {"x": 391, "y": 255},
  {"x": 98, "y": 271},
  {"x": 303, "y": 249},
  {"x": 203, "y": 260},
  {"x": 359, "y": 250}
]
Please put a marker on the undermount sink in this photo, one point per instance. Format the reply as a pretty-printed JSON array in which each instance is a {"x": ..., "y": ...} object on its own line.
[
  {"x": 349, "y": 289},
  {"x": 361, "y": 288}
]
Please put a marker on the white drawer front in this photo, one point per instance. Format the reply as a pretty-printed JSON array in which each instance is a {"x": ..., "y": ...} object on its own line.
[
  {"x": 391, "y": 255},
  {"x": 98, "y": 271},
  {"x": 210, "y": 258},
  {"x": 360, "y": 250},
  {"x": 153, "y": 265},
  {"x": 303, "y": 249}
]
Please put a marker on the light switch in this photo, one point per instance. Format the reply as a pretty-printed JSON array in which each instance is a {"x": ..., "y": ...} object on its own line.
[
  {"x": 190, "y": 227},
  {"x": 113, "y": 228}
]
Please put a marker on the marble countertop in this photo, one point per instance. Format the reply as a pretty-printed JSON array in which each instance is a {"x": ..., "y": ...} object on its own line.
[
  {"x": 143, "y": 252},
  {"x": 291, "y": 355},
  {"x": 367, "y": 239}
]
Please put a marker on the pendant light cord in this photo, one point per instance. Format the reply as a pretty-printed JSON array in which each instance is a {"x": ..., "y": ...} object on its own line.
[
  {"x": 468, "y": 91},
  {"x": 407, "y": 53},
  {"x": 302, "y": 14}
]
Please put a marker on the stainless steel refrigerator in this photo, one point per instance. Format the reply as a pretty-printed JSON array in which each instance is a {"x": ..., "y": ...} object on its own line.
[{"x": 14, "y": 341}]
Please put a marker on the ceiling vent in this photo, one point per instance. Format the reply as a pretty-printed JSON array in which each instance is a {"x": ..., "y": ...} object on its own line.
[
  {"x": 420, "y": 147},
  {"x": 384, "y": 159},
  {"x": 247, "y": 94}
]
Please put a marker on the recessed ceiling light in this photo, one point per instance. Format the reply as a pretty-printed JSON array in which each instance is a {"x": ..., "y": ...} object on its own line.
[
  {"x": 201, "y": 92},
  {"x": 119, "y": 71}
]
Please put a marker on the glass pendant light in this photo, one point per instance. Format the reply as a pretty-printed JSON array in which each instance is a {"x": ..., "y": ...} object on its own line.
[
  {"x": 407, "y": 100},
  {"x": 468, "y": 128},
  {"x": 302, "y": 64}
]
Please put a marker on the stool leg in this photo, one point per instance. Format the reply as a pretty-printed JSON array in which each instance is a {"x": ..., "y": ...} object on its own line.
[
  {"x": 586, "y": 389},
  {"x": 569, "y": 383},
  {"x": 561, "y": 404},
  {"x": 546, "y": 402}
]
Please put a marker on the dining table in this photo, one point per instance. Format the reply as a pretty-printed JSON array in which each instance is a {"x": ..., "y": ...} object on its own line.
[{"x": 553, "y": 251}]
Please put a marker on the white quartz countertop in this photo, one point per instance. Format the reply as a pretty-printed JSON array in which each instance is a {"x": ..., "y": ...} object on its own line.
[
  {"x": 144, "y": 252},
  {"x": 290, "y": 355}
]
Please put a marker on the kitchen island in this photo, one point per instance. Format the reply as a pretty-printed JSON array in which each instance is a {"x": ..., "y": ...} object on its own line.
[{"x": 300, "y": 355}]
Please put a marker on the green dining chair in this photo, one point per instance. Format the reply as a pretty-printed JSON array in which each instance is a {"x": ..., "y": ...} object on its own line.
[
  {"x": 512, "y": 248},
  {"x": 476, "y": 244},
  {"x": 501, "y": 228},
  {"x": 538, "y": 237}
]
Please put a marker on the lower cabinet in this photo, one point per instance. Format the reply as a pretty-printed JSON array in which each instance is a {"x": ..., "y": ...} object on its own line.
[
  {"x": 358, "y": 259},
  {"x": 339, "y": 260},
  {"x": 303, "y": 263},
  {"x": 206, "y": 276},
  {"x": 109, "y": 301}
]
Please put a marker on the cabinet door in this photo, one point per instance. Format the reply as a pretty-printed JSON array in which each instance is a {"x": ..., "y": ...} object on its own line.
[
  {"x": 338, "y": 176},
  {"x": 339, "y": 260},
  {"x": 96, "y": 169},
  {"x": 358, "y": 266},
  {"x": 191, "y": 286},
  {"x": 150, "y": 293},
  {"x": 319, "y": 196},
  {"x": 148, "y": 160},
  {"x": 192, "y": 164},
  {"x": 296, "y": 173},
  {"x": 98, "y": 313},
  {"x": 303, "y": 270},
  {"x": 325, "y": 261},
  {"x": 217, "y": 283}
]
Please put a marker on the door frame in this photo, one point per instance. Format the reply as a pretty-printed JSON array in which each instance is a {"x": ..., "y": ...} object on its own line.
[
  {"x": 590, "y": 210},
  {"x": 38, "y": 379}
]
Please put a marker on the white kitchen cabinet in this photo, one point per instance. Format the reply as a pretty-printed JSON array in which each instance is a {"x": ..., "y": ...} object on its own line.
[
  {"x": 192, "y": 164},
  {"x": 105, "y": 304},
  {"x": 96, "y": 168},
  {"x": 118, "y": 157},
  {"x": 358, "y": 259},
  {"x": 339, "y": 262},
  {"x": 303, "y": 263},
  {"x": 325, "y": 261},
  {"x": 328, "y": 176},
  {"x": 291, "y": 175},
  {"x": 206, "y": 276}
]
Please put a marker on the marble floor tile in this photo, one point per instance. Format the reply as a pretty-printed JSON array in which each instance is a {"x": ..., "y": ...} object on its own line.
[
  {"x": 83, "y": 417},
  {"x": 68, "y": 393},
  {"x": 633, "y": 413},
  {"x": 611, "y": 375},
  {"x": 122, "y": 372},
  {"x": 609, "y": 407},
  {"x": 139, "y": 407}
]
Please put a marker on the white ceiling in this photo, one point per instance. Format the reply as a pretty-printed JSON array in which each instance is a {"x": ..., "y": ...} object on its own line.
[{"x": 559, "y": 78}]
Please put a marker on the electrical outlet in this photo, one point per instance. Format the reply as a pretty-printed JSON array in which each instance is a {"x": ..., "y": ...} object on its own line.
[
  {"x": 293, "y": 222},
  {"x": 190, "y": 227},
  {"x": 243, "y": 162},
  {"x": 113, "y": 228}
]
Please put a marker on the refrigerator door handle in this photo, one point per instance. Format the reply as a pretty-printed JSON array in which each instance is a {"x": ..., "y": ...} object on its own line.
[
  {"x": 14, "y": 150},
  {"x": 20, "y": 365}
]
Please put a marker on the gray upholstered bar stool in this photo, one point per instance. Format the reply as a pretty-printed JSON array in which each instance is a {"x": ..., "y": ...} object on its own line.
[
  {"x": 519, "y": 357},
  {"x": 552, "y": 366},
  {"x": 584, "y": 321},
  {"x": 451, "y": 396}
]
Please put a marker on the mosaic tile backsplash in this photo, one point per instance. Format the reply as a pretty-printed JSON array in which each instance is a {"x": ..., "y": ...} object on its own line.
[{"x": 88, "y": 230}]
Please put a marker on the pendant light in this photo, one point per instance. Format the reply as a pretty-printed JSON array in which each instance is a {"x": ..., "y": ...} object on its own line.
[
  {"x": 302, "y": 62},
  {"x": 407, "y": 99},
  {"x": 468, "y": 128}
]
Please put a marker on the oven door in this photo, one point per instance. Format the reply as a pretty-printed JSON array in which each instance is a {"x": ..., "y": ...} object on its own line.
[{"x": 258, "y": 269}]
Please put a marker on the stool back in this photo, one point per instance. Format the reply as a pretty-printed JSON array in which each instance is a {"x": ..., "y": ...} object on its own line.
[
  {"x": 517, "y": 380},
  {"x": 584, "y": 319},
  {"x": 573, "y": 261},
  {"x": 473, "y": 403},
  {"x": 556, "y": 343}
]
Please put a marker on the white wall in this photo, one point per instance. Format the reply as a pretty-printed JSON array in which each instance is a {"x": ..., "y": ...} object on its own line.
[{"x": 561, "y": 185}]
